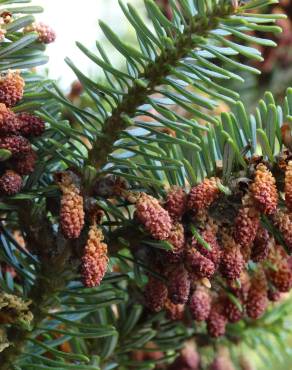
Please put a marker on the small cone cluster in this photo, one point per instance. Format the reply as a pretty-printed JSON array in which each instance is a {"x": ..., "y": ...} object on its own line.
[
  {"x": 46, "y": 34},
  {"x": 95, "y": 258},
  {"x": 188, "y": 359},
  {"x": 72, "y": 212},
  {"x": 155, "y": 294},
  {"x": 264, "y": 191},
  {"x": 207, "y": 272},
  {"x": 203, "y": 195},
  {"x": 288, "y": 186},
  {"x": 15, "y": 132},
  {"x": 156, "y": 219}
]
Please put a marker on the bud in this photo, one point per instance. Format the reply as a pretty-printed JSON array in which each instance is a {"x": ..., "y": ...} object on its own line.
[
  {"x": 231, "y": 310},
  {"x": 222, "y": 360},
  {"x": 16, "y": 144},
  {"x": 200, "y": 304},
  {"x": 177, "y": 239},
  {"x": 9, "y": 124},
  {"x": 198, "y": 264},
  {"x": 155, "y": 294},
  {"x": 189, "y": 359},
  {"x": 95, "y": 259},
  {"x": 26, "y": 164},
  {"x": 283, "y": 222},
  {"x": 174, "y": 312},
  {"x": 11, "y": 88},
  {"x": 232, "y": 262},
  {"x": 216, "y": 323},
  {"x": 246, "y": 226},
  {"x": 72, "y": 213},
  {"x": 30, "y": 125},
  {"x": 264, "y": 190},
  {"x": 280, "y": 274},
  {"x": 215, "y": 253},
  {"x": 203, "y": 195},
  {"x": 46, "y": 34},
  {"x": 176, "y": 202},
  {"x": 274, "y": 295},
  {"x": 261, "y": 245},
  {"x": 155, "y": 219},
  {"x": 257, "y": 300},
  {"x": 10, "y": 183},
  {"x": 179, "y": 285}
]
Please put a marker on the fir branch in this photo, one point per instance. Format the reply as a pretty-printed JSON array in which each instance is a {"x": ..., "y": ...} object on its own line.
[{"x": 153, "y": 76}]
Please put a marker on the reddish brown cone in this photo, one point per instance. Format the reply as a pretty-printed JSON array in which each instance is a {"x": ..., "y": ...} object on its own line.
[
  {"x": 72, "y": 213},
  {"x": 176, "y": 203},
  {"x": 246, "y": 226},
  {"x": 279, "y": 274},
  {"x": 11, "y": 88},
  {"x": 216, "y": 323},
  {"x": 10, "y": 183},
  {"x": 9, "y": 123},
  {"x": 261, "y": 245},
  {"x": 283, "y": 221},
  {"x": 257, "y": 299},
  {"x": 155, "y": 294},
  {"x": 232, "y": 311},
  {"x": 177, "y": 239},
  {"x": 30, "y": 125},
  {"x": 26, "y": 164},
  {"x": 179, "y": 285},
  {"x": 200, "y": 304},
  {"x": 232, "y": 262},
  {"x": 203, "y": 195},
  {"x": 215, "y": 253},
  {"x": 16, "y": 144},
  {"x": 174, "y": 312},
  {"x": 264, "y": 190},
  {"x": 155, "y": 219},
  {"x": 198, "y": 264},
  {"x": 95, "y": 259}
]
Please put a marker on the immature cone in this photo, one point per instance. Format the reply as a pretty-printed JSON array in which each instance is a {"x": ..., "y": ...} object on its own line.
[
  {"x": 203, "y": 195},
  {"x": 283, "y": 221},
  {"x": 200, "y": 304},
  {"x": 30, "y": 125},
  {"x": 11, "y": 88},
  {"x": 177, "y": 239},
  {"x": 257, "y": 299},
  {"x": 16, "y": 144},
  {"x": 72, "y": 213},
  {"x": 176, "y": 202},
  {"x": 9, "y": 123},
  {"x": 174, "y": 312},
  {"x": 26, "y": 164},
  {"x": 274, "y": 295},
  {"x": 179, "y": 285},
  {"x": 261, "y": 245},
  {"x": 155, "y": 219},
  {"x": 189, "y": 359},
  {"x": 222, "y": 361},
  {"x": 155, "y": 294},
  {"x": 216, "y": 323},
  {"x": 264, "y": 190},
  {"x": 198, "y": 264},
  {"x": 215, "y": 253},
  {"x": 279, "y": 274},
  {"x": 232, "y": 262},
  {"x": 288, "y": 186},
  {"x": 10, "y": 183},
  {"x": 231, "y": 311},
  {"x": 46, "y": 34},
  {"x": 95, "y": 259},
  {"x": 246, "y": 226}
]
